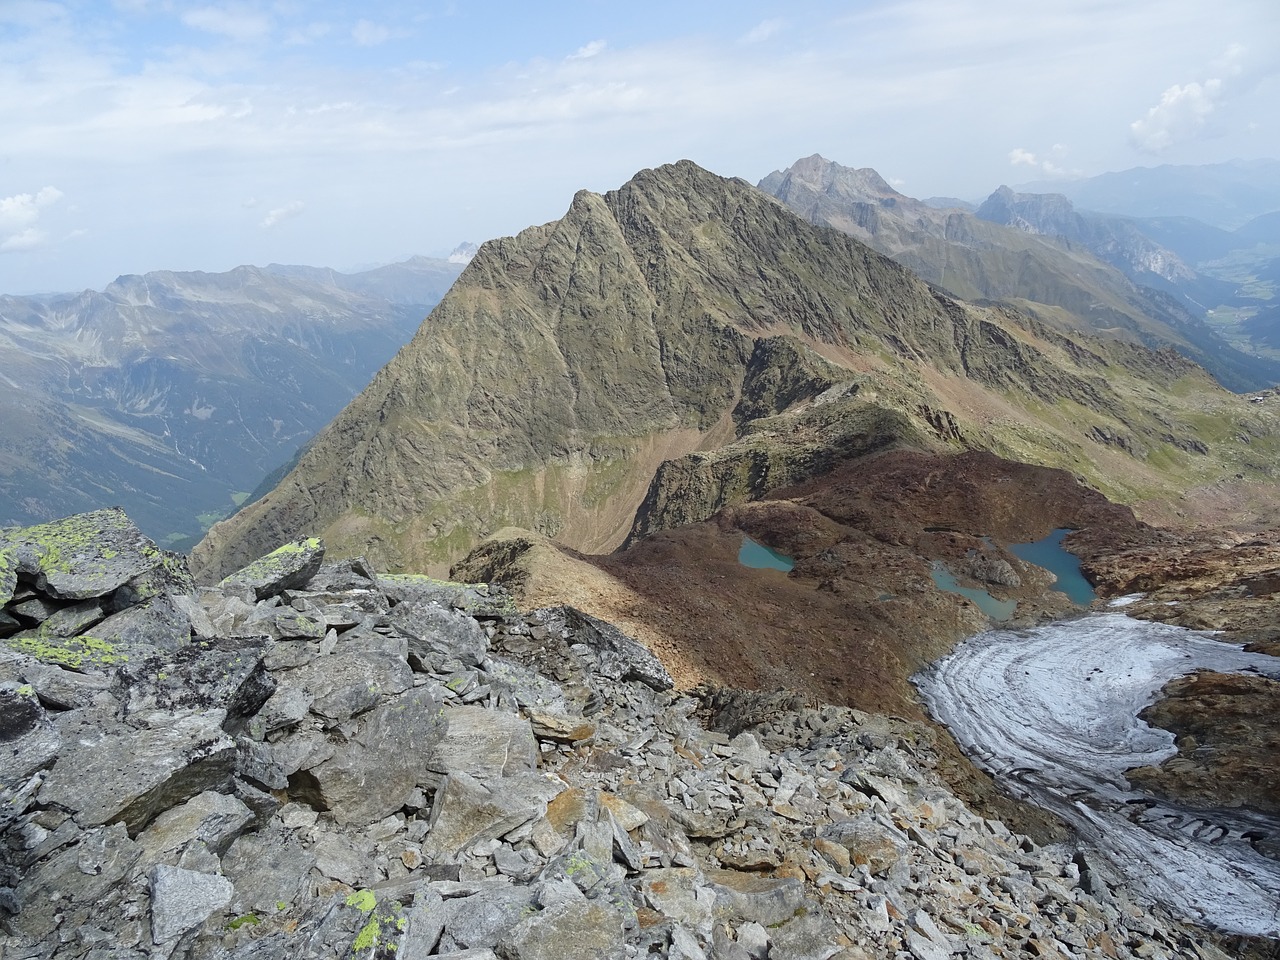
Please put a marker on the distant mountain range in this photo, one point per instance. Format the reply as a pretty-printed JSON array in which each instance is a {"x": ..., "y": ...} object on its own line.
[
  {"x": 174, "y": 394},
  {"x": 1103, "y": 274},
  {"x": 1224, "y": 195}
]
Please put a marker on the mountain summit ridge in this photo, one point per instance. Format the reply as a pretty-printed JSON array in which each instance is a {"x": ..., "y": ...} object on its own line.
[{"x": 570, "y": 361}]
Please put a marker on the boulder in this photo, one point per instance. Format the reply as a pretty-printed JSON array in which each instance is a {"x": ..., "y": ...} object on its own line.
[
  {"x": 373, "y": 775},
  {"x": 91, "y": 555},
  {"x": 485, "y": 917},
  {"x": 437, "y": 634},
  {"x": 289, "y": 566},
  {"x": 485, "y": 744},
  {"x": 573, "y": 930},
  {"x": 619, "y": 657},
  {"x": 110, "y": 773},
  {"x": 182, "y": 900},
  {"x": 344, "y": 685},
  {"x": 467, "y": 810},
  {"x": 29, "y": 741},
  {"x": 213, "y": 820}
]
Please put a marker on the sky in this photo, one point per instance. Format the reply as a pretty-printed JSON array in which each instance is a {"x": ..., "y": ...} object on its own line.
[{"x": 141, "y": 135}]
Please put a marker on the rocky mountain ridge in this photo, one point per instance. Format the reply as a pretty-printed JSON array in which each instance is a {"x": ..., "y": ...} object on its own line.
[
  {"x": 1036, "y": 251},
  {"x": 176, "y": 393},
  {"x": 689, "y": 316},
  {"x": 312, "y": 760}
]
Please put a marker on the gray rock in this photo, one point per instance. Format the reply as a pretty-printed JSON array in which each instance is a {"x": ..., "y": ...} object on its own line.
[
  {"x": 374, "y": 774},
  {"x": 69, "y": 886},
  {"x": 182, "y": 900},
  {"x": 749, "y": 896},
  {"x": 289, "y": 566},
  {"x": 437, "y": 634},
  {"x": 63, "y": 621},
  {"x": 870, "y": 842},
  {"x": 485, "y": 917},
  {"x": 477, "y": 599},
  {"x": 210, "y": 675},
  {"x": 64, "y": 689},
  {"x": 214, "y": 820},
  {"x": 346, "y": 858},
  {"x": 518, "y": 683},
  {"x": 486, "y": 744},
  {"x": 8, "y": 569},
  {"x": 681, "y": 894},
  {"x": 29, "y": 741},
  {"x": 285, "y": 708},
  {"x": 581, "y": 930},
  {"x": 684, "y": 946},
  {"x": 425, "y": 924},
  {"x": 90, "y": 555},
  {"x": 108, "y": 773},
  {"x": 808, "y": 937},
  {"x": 267, "y": 868},
  {"x": 290, "y": 624},
  {"x": 620, "y": 657},
  {"x": 156, "y": 623},
  {"x": 754, "y": 939},
  {"x": 345, "y": 685},
  {"x": 468, "y": 811}
]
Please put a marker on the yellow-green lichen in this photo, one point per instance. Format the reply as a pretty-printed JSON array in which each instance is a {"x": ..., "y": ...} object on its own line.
[
  {"x": 70, "y": 652},
  {"x": 368, "y": 936},
  {"x": 362, "y": 900}
]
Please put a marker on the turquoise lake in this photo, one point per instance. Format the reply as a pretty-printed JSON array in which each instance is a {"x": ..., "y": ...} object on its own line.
[
  {"x": 944, "y": 579},
  {"x": 1048, "y": 553},
  {"x": 759, "y": 557}
]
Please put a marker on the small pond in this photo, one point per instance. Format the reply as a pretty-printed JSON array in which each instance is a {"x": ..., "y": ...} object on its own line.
[
  {"x": 998, "y": 610},
  {"x": 1048, "y": 553},
  {"x": 759, "y": 557}
]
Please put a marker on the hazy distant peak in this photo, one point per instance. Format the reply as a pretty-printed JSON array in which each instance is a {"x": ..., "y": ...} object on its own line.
[
  {"x": 1045, "y": 213},
  {"x": 816, "y": 174},
  {"x": 463, "y": 252}
]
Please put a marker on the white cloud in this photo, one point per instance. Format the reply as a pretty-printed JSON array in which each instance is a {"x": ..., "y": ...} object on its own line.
[
  {"x": 366, "y": 33},
  {"x": 26, "y": 240},
  {"x": 280, "y": 214},
  {"x": 1048, "y": 164},
  {"x": 1185, "y": 110},
  {"x": 240, "y": 23},
  {"x": 763, "y": 30},
  {"x": 1180, "y": 114},
  {"x": 19, "y": 215},
  {"x": 587, "y": 51}
]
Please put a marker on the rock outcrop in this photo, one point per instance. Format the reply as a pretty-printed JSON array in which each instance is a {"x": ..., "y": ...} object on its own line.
[{"x": 521, "y": 785}]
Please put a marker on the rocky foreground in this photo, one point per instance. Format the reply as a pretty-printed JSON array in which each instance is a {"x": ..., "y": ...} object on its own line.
[{"x": 311, "y": 760}]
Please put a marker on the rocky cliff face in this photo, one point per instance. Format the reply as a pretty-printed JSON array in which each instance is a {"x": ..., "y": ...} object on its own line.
[{"x": 685, "y": 315}]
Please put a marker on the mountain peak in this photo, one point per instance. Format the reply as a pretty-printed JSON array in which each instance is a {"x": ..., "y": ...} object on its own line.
[{"x": 815, "y": 174}]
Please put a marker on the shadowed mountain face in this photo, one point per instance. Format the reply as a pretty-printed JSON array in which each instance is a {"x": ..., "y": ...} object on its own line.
[
  {"x": 1077, "y": 271},
  {"x": 685, "y": 343},
  {"x": 173, "y": 394}
]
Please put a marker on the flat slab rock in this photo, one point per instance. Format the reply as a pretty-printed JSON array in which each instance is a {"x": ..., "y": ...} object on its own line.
[
  {"x": 88, "y": 555},
  {"x": 289, "y": 566}
]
